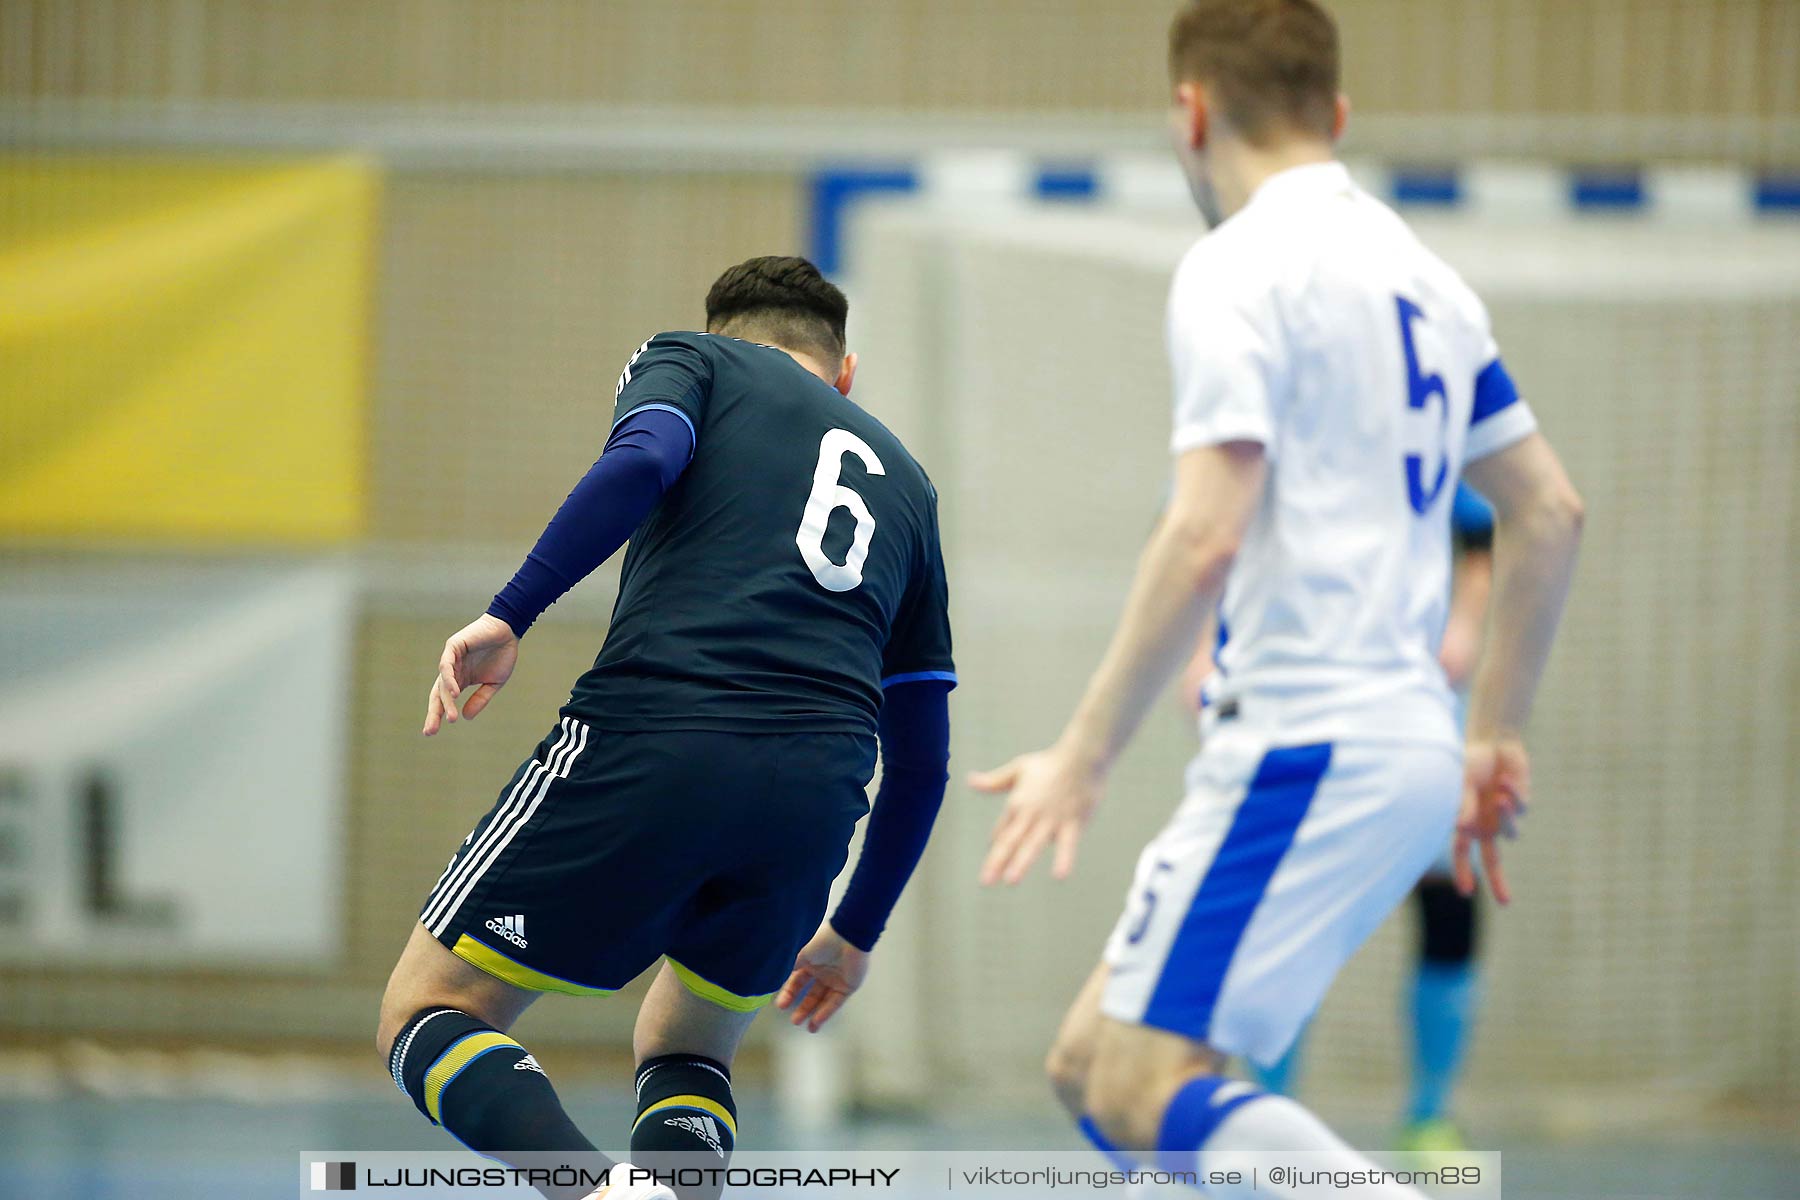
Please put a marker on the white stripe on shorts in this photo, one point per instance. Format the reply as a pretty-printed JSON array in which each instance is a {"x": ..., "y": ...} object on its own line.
[
  {"x": 457, "y": 872},
  {"x": 558, "y": 768}
]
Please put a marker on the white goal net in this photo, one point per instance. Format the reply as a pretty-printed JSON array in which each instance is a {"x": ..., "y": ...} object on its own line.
[{"x": 1650, "y": 956}]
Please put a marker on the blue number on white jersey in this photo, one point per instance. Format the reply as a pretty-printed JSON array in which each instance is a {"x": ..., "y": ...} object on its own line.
[{"x": 1420, "y": 388}]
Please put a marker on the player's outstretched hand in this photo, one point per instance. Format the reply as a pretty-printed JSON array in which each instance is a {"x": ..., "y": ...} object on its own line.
[
  {"x": 481, "y": 655},
  {"x": 1496, "y": 788},
  {"x": 826, "y": 971},
  {"x": 1052, "y": 795}
]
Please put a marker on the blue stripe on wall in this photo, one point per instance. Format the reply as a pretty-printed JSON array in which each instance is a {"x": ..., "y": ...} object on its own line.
[
  {"x": 833, "y": 191},
  {"x": 1606, "y": 189},
  {"x": 1439, "y": 186},
  {"x": 1777, "y": 193},
  {"x": 1067, "y": 183},
  {"x": 836, "y": 189},
  {"x": 1260, "y": 834}
]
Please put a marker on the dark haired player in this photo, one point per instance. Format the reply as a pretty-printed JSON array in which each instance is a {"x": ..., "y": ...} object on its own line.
[{"x": 783, "y": 602}]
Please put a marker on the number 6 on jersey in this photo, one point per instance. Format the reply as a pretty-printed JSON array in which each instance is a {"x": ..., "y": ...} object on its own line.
[{"x": 829, "y": 494}]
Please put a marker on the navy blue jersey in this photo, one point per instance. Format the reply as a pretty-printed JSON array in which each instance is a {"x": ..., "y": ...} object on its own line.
[{"x": 791, "y": 572}]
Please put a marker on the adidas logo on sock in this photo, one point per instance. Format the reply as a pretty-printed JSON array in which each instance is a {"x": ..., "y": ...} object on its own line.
[
  {"x": 528, "y": 1063},
  {"x": 511, "y": 928},
  {"x": 701, "y": 1127}
]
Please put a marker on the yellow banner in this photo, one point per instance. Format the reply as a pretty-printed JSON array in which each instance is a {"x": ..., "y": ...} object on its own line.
[{"x": 183, "y": 349}]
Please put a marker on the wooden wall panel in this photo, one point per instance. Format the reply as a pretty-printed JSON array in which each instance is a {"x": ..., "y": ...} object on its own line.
[
  {"x": 1718, "y": 57},
  {"x": 509, "y": 305}
]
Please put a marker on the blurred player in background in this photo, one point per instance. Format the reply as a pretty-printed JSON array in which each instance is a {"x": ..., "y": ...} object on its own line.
[
  {"x": 1333, "y": 378},
  {"x": 783, "y": 602},
  {"x": 1442, "y": 998}
]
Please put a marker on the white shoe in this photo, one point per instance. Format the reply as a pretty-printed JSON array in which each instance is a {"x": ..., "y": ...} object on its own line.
[{"x": 647, "y": 1189}]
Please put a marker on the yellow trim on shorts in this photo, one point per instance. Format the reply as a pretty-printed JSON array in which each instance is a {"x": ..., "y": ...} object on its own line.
[
  {"x": 707, "y": 990},
  {"x": 455, "y": 1059},
  {"x": 482, "y": 955},
  {"x": 700, "y": 1102}
]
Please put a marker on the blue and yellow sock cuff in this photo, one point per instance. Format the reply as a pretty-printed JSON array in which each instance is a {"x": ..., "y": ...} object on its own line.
[
  {"x": 457, "y": 1059},
  {"x": 696, "y": 1103}
]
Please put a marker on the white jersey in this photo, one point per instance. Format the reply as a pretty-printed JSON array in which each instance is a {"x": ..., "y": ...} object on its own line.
[{"x": 1314, "y": 322}]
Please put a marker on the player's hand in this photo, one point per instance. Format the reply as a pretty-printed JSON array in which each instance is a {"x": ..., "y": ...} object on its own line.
[
  {"x": 825, "y": 973},
  {"x": 481, "y": 656},
  {"x": 1496, "y": 788},
  {"x": 1052, "y": 795}
]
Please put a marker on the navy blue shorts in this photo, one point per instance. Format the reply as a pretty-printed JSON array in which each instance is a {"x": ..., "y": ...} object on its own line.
[{"x": 608, "y": 850}]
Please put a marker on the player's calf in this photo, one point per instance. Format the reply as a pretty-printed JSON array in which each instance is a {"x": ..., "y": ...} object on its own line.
[
  {"x": 1135, "y": 1073},
  {"x": 1066, "y": 1068},
  {"x": 1071, "y": 1061},
  {"x": 1072, "y": 1054}
]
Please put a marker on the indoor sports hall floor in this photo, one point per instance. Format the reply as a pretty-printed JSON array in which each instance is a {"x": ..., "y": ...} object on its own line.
[{"x": 84, "y": 1148}]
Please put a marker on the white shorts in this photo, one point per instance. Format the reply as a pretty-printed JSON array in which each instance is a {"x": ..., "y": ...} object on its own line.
[{"x": 1276, "y": 867}]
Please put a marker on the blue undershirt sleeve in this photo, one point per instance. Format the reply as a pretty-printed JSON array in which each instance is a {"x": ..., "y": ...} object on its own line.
[
  {"x": 915, "y": 760},
  {"x": 643, "y": 458}
]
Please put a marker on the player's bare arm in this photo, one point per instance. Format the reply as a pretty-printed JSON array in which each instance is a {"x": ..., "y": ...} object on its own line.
[
  {"x": 1053, "y": 792},
  {"x": 1537, "y": 530}
]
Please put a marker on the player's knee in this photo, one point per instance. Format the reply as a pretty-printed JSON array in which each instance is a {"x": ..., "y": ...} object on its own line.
[
  {"x": 400, "y": 1003},
  {"x": 1066, "y": 1067},
  {"x": 1121, "y": 1114},
  {"x": 1124, "y": 1103},
  {"x": 389, "y": 1022}
]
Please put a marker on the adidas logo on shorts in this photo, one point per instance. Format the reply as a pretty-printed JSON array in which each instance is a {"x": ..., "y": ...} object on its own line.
[
  {"x": 511, "y": 928},
  {"x": 702, "y": 1127}
]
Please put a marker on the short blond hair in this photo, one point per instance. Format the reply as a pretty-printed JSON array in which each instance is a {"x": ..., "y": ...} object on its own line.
[{"x": 1273, "y": 63}]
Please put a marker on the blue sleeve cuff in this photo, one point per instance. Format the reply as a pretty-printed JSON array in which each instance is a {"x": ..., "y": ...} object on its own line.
[
  {"x": 920, "y": 677},
  {"x": 693, "y": 437},
  {"x": 1494, "y": 391}
]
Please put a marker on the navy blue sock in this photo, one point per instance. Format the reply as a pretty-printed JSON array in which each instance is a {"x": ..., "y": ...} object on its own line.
[
  {"x": 1443, "y": 997},
  {"x": 686, "y": 1117},
  {"x": 487, "y": 1091}
]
